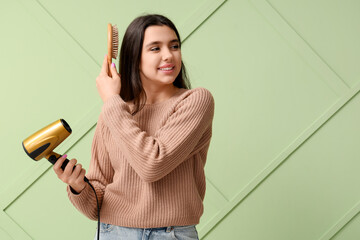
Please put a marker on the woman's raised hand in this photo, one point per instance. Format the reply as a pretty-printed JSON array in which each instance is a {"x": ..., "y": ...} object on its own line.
[{"x": 108, "y": 86}]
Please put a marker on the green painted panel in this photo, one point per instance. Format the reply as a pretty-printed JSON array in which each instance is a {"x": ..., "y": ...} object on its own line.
[
  {"x": 46, "y": 204},
  {"x": 10, "y": 230},
  {"x": 213, "y": 203},
  {"x": 331, "y": 28},
  {"x": 351, "y": 231},
  {"x": 265, "y": 94},
  {"x": 4, "y": 235},
  {"x": 309, "y": 192},
  {"x": 41, "y": 83}
]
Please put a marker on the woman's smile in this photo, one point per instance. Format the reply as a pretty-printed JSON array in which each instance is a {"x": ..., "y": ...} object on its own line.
[{"x": 168, "y": 68}]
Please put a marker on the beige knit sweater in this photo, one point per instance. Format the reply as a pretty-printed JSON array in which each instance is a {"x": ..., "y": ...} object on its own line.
[{"x": 148, "y": 169}]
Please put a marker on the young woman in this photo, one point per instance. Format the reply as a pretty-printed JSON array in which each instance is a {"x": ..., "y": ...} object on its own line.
[{"x": 150, "y": 143}]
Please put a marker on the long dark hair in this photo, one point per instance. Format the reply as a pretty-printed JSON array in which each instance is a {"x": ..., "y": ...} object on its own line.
[{"x": 130, "y": 55}]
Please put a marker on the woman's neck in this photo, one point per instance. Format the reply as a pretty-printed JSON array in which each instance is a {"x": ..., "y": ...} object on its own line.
[{"x": 159, "y": 94}]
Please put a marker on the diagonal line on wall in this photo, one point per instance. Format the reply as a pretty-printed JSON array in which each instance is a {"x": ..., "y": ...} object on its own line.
[
  {"x": 266, "y": 172},
  {"x": 67, "y": 33},
  {"x": 13, "y": 230},
  {"x": 301, "y": 46},
  {"x": 351, "y": 214},
  {"x": 63, "y": 37},
  {"x": 202, "y": 14}
]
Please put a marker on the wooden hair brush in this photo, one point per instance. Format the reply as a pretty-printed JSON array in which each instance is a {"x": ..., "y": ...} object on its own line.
[{"x": 113, "y": 45}]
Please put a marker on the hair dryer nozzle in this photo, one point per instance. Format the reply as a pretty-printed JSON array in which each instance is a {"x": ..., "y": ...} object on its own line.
[
  {"x": 66, "y": 125},
  {"x": 44, "y": 141}
]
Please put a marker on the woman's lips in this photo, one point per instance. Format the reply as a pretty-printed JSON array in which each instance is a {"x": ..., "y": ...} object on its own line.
[{"x": 167, "y": 68}]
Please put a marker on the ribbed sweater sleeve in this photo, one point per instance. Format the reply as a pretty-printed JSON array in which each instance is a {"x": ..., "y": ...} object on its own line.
[
  {"x": 154, "y": 156},
  {"x": 100, "y": 174}
]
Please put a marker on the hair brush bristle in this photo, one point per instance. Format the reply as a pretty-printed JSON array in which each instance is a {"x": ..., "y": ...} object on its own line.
[
  {"x": 115, "y": 41},
  {"x": 113, "y": 45}
]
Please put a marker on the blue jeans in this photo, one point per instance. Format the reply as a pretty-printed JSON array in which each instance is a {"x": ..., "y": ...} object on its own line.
[{"x": 112, "y": 232}]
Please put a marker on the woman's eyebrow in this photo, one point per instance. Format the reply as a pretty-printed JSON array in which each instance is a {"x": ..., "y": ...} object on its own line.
[{"x": 159, "y": 42}]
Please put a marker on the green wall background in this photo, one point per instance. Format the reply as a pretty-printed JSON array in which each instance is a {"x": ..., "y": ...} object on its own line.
[{"x": 284, "y": 159}]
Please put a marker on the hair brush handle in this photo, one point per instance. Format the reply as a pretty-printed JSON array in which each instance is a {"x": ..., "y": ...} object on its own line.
[{"x": 53, "y": 160}]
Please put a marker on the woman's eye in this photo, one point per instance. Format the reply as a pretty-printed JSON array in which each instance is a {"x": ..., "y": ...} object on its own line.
[
  {"x": 155, "y": 49},
  {"x": 175, "y": 47}
]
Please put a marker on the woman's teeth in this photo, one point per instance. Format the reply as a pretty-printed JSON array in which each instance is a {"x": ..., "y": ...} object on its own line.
[{"x": 166, "y": 69}]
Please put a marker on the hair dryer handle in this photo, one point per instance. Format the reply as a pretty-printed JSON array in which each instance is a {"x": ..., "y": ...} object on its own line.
[{"x": 53, "y": 160}]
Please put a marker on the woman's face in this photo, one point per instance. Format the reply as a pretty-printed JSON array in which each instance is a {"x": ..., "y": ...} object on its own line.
[{"x": 160, "y": 60}]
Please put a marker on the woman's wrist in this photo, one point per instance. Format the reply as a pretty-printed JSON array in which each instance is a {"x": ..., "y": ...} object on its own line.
[{"x": 76, "y": 190}]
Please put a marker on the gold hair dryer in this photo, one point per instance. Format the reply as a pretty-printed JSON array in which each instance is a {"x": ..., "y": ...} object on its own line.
[{"x": 42, "y": 143}]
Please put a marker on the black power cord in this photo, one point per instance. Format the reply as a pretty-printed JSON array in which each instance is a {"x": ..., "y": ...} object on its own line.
[
  {"x": 53, "y": 160},
  {"x": 98, "y": 208}
]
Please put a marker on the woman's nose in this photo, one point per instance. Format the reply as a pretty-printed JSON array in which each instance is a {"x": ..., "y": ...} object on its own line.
[{"x": 167, "y": 54}]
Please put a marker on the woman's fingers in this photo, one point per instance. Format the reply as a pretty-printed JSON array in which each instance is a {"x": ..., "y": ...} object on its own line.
[
  {"x": 66, "y": 174},
  {"x": 78, "y": 174},
  {"x": 108, "y": 86},
  {"x": 58, "y": 164},
  {"x": 69, "y": 167},
  {"x": 104, "y": 67},
  {"x": 115, "y": 74},
  {"x": 72, "y": 175},
  {"x": 76, "y": 171},
  {"x": 77, "y": 179}
]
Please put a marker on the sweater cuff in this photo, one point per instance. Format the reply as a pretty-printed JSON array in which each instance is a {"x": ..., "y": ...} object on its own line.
[
  {"x": 79, "y": 197},
  {"x": 73, "y": 191},
  {"x": 115, "y": 100}
]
